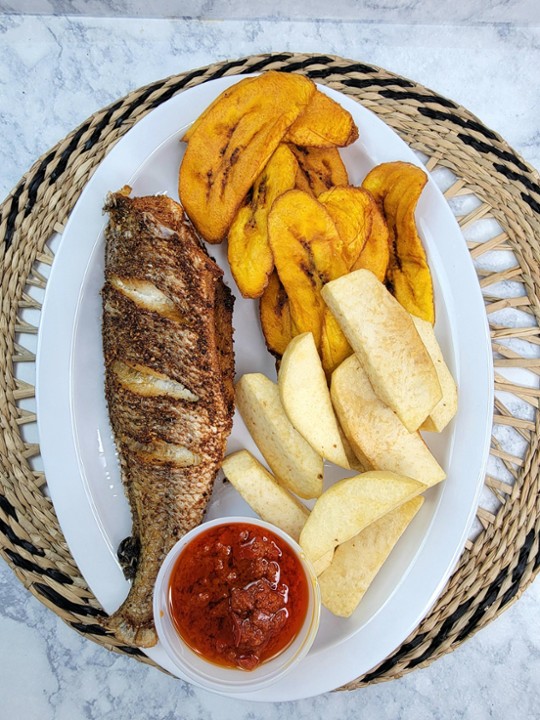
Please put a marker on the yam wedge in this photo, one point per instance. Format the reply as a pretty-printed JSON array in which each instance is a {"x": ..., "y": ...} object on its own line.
[
  {"x": 384, "y": 337},
  {"x": 356, "y": 563},
  {"x": 375, "y": 432},
  {"x": 350, "y": 505}
]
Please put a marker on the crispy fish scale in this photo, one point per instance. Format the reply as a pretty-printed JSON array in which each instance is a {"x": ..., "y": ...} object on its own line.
[
  {"x": 351, "y": 209},
  {"x": 231, "y": 144},
  {"x": 249, "y": 253},
  {"x": 319, "y": 169},
  {"x": 397, "y": 187},
  {"x": 307, "y": 254},
  {"x": 275, "y": 315},
  {"x": 168, "y": 385},
  {"x": 324, "y": 123},
  {"x": 168, "y": 501}
]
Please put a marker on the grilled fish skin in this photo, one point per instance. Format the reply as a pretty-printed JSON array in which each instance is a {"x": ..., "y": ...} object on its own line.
[{"x": 169, "y": 370}]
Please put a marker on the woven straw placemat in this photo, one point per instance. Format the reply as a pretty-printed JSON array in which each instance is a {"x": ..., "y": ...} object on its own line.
[{"x": 491, "y": 189}]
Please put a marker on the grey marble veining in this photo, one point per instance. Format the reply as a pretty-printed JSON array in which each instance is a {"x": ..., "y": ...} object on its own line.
[
  {"x": 394, "y": 11},
  {"x": 67, "y": 68},
  {"x": 54, "y": 72},
  {"x": 48, "y": 672}
]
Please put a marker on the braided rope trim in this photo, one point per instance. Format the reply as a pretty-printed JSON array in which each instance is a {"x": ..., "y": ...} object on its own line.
[{"x": 505, "y": 557}]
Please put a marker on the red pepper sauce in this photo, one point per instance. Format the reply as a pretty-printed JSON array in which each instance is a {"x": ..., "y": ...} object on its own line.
[{"x": 238, "y": 595}]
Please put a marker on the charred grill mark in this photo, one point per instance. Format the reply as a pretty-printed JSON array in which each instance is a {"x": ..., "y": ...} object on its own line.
[
  {"x": 310, "y": 268},
  {"x": 209, "y": 183},
  {"x": 325, "y": 175},
  {"x": 235, "y": 155},
  {"x": 395, "y": 255},
  {"x": 305, "y": 169},
  {"x": 256, "y": 199},
  {"x": 281, "y": 300},
  {"x": 230, "y": 132},
  {"x": 229, "y": 164},
  {"x": 262, "y": 191},
  {"x": 250, "y": 199}
]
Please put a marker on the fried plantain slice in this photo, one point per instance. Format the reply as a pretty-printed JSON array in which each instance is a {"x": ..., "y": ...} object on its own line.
[
  {"x": 320, "y": 169},
  {"x": 186, "y": 137},
  {"x": 397, "y": 187},
  {"x": 275, "y": 316},
  {"x": 249, "y": 252},
  {"x": 375, "y": 254},
  {"x": 232, "y": 142},
  {"x": 351, "y": 209},
  {"x": 334, "y": 345},
  {"x": 307, "y": 254},
  {"x": 324, "y": 123}
]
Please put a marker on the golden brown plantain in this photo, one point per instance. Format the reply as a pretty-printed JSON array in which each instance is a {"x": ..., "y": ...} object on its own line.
[
  {"x": 397, "y": 187},
  {"x": 319, "y": 169},
  {"x": 324, "y": 123},
  {"x": 307, "y": 254},
  {"x": 231, "y": 143},
  {"x": 249, "y": 252}
]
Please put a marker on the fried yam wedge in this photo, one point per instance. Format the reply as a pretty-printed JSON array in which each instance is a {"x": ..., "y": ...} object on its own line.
[
  {"x": 375, "y": 432},
  {"x": 319, "y": 169},
  {"x": 307, "y": 254},
  {"x": 231, "y": 143},
  {"x": 249, "y": 253},
  {"x": 356, "y": 562},
  {"x": 324, "y": 123},
  {"x": 305, "y": 396},
  {"x": 447, "y": 406},
  {"x": 259, "y": 488},
  {"x": 295, "y": 464},
  {"x": 384, "y": 338},
  {"x": 397, "y": 186},
  {"x": 350, "y": 505}
]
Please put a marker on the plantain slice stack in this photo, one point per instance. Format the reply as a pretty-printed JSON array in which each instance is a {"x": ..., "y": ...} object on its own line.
[
  {"x": 230, "y": 144},
  {"x": 263, "y": 169}
]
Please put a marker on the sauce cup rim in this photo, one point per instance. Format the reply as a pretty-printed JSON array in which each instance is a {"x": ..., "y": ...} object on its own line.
[{"x": 192, "y": 666}]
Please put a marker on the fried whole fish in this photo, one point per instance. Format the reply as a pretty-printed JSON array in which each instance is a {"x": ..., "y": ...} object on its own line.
[{"x": 169, "y": 367}]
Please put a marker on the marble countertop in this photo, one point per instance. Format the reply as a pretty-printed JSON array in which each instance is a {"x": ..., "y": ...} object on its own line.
[{"x": 54, "y": 72}]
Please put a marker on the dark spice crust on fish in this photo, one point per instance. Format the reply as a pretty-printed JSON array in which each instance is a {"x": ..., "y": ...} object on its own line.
[{"x": 169, "y": 370}]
